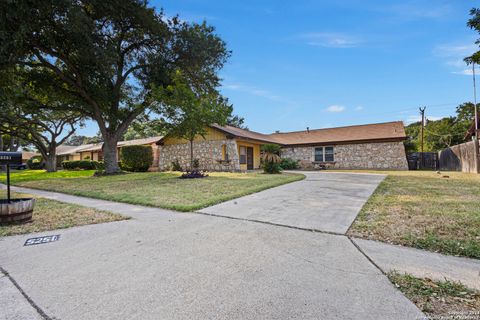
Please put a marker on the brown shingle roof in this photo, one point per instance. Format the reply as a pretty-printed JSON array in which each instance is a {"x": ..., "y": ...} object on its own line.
[
  {"x": 247, "y": 134},
  {"x": 64, "y": 149},
  {"x": 358, "y": 133}
]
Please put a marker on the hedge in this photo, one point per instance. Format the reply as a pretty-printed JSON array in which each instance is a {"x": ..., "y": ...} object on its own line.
[
  {"x": 35, "y": 163},
  {"x": 136, "y": 158},
  {"x": 80, "y": 165},
  {"x": 289, "y": 164}
]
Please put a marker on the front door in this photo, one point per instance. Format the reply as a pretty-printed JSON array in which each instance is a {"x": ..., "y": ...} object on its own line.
[{"x": 249, "y": 158}]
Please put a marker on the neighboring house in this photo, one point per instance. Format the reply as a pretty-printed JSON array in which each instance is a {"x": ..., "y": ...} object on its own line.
[
  {"x": 94, "y": 151},
  {"x": 226, "y": 148},
  {"x": 27, "y": 155}
]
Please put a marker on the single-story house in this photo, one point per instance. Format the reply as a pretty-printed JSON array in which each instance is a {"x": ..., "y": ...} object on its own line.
[
  {"x": 94, "y": 151},
  {"x": 27, "y": 155},
  {"x": 227, "y": 148}
]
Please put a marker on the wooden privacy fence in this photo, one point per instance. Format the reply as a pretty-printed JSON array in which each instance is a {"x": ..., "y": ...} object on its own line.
[
  {"x": 461, "y": 157},
  {"x": 422, "y": 161}
]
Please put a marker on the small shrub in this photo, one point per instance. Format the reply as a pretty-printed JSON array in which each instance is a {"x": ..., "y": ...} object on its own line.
[
  {"x": 272, "y": 167},
  {"x": 176, "y": 166},
  {"x": 196, "y": 164},
  {"x": 271, "y": 159},
  {"x": 80, "y": 165},
  {"x": 36, "y": 163},
  {"x": 289, "y": 164},
  {"x": 136, "y": 158}
]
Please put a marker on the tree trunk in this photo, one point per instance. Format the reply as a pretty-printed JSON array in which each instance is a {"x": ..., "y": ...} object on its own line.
[
  {"x": 51, "y": 158},
  {"x": 1, "y": 142},
  {"x": 191, "y": 155},
  {"x": 110, "y": 154},
  {"x": 12, "y": 144},
  {"x": 51, "y": 163}
]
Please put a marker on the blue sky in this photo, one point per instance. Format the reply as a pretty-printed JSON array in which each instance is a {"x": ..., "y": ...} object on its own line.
[{"x": 331, "y": 63}]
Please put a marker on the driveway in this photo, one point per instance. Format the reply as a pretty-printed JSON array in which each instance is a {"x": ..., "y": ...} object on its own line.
[
  {"x": 323, "y": 201},
  {"x": 168, "y": 265}
]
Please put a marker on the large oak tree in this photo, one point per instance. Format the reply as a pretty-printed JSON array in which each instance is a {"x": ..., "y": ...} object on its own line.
[{"x": 110, "y": 54}]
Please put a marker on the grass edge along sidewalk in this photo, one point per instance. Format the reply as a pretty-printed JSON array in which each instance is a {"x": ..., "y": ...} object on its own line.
[
  {"x": 51, "y": 215},
  {"x": 438, "y": 212},
  {"x": 161, "y": 189}
]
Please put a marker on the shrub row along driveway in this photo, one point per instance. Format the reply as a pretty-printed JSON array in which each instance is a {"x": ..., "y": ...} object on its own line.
[{"x": 165, "y": 265}]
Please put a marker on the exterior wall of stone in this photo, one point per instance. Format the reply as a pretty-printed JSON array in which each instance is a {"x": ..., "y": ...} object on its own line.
[
  {"x": 208, "y": 152},
  {"x": 381, "y": 155}
]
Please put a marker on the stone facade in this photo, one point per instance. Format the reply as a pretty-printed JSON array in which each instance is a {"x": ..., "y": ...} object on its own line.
[
  {"x": 381, "y": 155},
  {"x": 208, "y": 152}
]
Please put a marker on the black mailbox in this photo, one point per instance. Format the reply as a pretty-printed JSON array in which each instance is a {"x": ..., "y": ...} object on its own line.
[{"x": 10, "y": 158}]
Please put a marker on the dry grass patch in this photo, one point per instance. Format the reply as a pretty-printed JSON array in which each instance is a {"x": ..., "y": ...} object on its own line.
[
  {"x": 439, "y": 299},
  {"x": 424, "y": 210},
  {"x": 51, "y": 215}
]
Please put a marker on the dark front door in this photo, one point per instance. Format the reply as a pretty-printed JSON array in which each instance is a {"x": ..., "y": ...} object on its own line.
[{"x": 249, "y": 158}]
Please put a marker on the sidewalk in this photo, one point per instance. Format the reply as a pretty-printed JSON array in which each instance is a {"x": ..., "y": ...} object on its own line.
[
  {"x": 421, "y": 263},
  {"x": 387, "y": 257}
]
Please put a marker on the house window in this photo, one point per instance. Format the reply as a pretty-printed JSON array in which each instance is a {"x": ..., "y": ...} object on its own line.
[
  {"x": 224, "y": 152},
  {"x": 319, "y": 154},
  {"x": 243, "y": 155},
  {"x": 324, "y": 154}
]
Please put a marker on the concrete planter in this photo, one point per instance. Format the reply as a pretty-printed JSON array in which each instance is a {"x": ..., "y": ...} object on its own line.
[{"x": 17, "y": 211}]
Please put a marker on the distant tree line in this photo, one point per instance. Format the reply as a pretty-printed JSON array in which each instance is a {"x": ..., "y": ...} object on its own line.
[{"x": 442, "y": 133}]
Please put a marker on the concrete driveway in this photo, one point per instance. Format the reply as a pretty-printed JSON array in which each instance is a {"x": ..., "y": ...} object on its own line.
[
  {"x": 168, "y": 265},
  {"x": 323, "y": 201}
]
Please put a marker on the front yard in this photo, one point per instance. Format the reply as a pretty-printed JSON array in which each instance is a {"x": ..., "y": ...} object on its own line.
[
  {"x": 426, "y": 210},
  {"x": 158, "y": 189},
  {"x": 51, "y": 215}
]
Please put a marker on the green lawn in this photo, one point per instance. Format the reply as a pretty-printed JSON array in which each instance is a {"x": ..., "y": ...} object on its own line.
[
  {"x": 51, "y": 215},
  {"x": 158, "y": 189},
  {"x": 423, "y": 209},
  {"x": 18, "y": 176}
]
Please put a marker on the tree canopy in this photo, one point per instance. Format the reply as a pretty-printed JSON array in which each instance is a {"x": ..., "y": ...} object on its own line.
[
  {"x": 110, "y": 54},
  {"x": 442, "y": 133},
  {"x": 189, "y": 113}
]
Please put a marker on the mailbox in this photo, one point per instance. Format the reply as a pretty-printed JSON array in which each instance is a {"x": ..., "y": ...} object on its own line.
[{"x": 10, "y": 158}]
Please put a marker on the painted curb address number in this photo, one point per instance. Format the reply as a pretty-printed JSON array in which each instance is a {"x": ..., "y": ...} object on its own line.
[{"x": 41, "y": 240}]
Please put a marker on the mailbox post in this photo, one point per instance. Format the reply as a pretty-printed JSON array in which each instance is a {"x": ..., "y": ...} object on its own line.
[{"x": 8, "y": 158}]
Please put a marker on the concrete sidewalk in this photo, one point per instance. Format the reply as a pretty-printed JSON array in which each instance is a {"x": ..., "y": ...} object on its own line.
[
  {"x": 165, "y": 265},
  {"x": 422, "y": 263}
]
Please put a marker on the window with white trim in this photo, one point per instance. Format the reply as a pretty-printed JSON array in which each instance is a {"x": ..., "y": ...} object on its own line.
[{"x": 324, "y": 154}]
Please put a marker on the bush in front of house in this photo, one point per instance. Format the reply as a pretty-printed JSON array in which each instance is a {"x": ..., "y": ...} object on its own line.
[
  {"x": 176, "y": 166},
  {"x": 136, "y": 158},
  {"x": 289, "y": 164},
  {"x": 80, "y": 165},
  {"x": 271, "y": 159},
  {"x": 36, "y": 163}
]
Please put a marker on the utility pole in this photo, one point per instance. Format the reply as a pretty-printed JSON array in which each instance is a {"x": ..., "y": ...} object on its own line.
[
  {"x": 475, "y": 100},
  {"x": 422, "y": 112}
]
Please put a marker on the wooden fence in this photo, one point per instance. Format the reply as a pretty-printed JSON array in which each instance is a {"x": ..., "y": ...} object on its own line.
[{"x": 462, "y": 157}]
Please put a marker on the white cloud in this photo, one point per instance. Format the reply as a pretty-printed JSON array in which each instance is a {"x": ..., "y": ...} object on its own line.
[
  {"x": 335, "y": 108},
  {"x": 468, "y": 72},
  {"x": 331, "y": 40},
  {"x": 358, "y": 108},
  {"x": 454, "y": 54},
  {"x": 253, "y": 91},
  {"x": 416, "y": 10}
]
